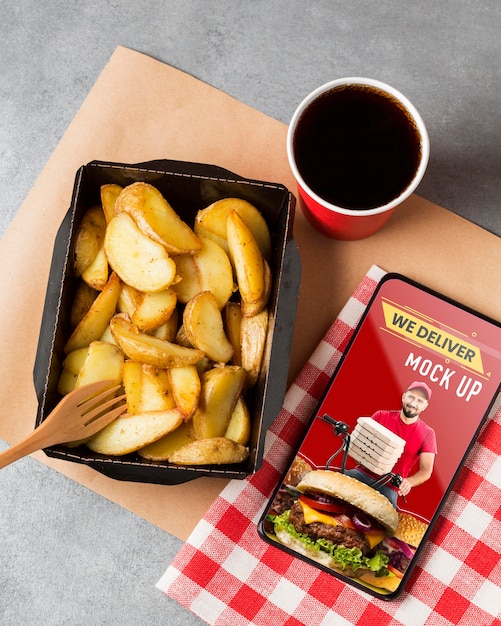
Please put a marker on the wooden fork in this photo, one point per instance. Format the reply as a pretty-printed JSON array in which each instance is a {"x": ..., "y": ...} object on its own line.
[{"x": 79, "y": 415}]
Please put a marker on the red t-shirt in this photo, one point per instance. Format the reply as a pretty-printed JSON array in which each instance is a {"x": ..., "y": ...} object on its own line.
[{"x": 419, "y": 437}]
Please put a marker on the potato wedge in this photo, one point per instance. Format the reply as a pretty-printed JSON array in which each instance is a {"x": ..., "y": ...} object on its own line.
[
  {"x": 167, "y": 331},
  {"x": 215, "y": 271},
  {"x": 138, "y": 260},
  {"x": 104, "y": 361},
  {"x": 131, "y": 379},
  {"x": 161, "y": 449},
  {"x": 66, "y": 383},
  {"x": 232, "y": 319},
  {"x": 185, "y": 386},
  {"x": 96, "y": 275},
  {"x": 109, "y": 195},
  {"x": 129, "y": 433},
  {"x": 147, "y": 349},
  {"x": 156, "y": 392},
  {"x": 182, "y": 337},
  {"x": 89, "y": 239},
  {"x": 154, "y": 309},
  {"x": 239, "y": 427},
  {"x": 74, "y": 360},
  {"x": 128, "y": 299},
  {"x": 156, "y": 218},
  {"x": 208, "y": 269},
  {"x": 189, "y": 284},
  {"x": 214, "y": 451},
  {"x": 84, "y": 297},
  {"x": 211, "y": 222},
  {"x": 203, "y": 323},
  {"x": 253, "y": 332},
  {"x": 72, "y": 365},
  {"x": 93, "y": 325},
  {"x": 247, "y": 261},
  {"x": 221, "y": 388},
  {"x": 107, "y": 336},
  {"x": 253, "y": 308}
]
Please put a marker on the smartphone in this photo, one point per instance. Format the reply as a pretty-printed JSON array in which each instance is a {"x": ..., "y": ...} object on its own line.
[{"x": 388, "y": 438}]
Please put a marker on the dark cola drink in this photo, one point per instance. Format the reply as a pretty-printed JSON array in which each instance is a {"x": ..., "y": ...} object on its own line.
[{"x": 357, "y": 147}]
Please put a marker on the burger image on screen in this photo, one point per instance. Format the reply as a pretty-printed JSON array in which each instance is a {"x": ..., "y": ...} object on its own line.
[{"x": 339, "y": 522}]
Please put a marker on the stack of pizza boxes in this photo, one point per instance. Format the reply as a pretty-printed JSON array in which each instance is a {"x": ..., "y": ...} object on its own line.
[{"x": 374, "y": 446}]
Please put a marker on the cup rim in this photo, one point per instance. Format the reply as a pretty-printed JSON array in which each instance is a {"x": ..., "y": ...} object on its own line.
[{"x": 371, "y": 82}]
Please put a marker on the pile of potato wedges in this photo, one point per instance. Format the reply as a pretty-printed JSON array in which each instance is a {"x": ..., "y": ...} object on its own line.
[{"x": 178, "y": 315}]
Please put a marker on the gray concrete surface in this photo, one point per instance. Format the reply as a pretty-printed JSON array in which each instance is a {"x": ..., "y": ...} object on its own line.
[{"x": 68, "y": 556}]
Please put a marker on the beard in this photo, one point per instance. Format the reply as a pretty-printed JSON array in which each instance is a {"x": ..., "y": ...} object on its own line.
[{"x": 408, "y": 412}]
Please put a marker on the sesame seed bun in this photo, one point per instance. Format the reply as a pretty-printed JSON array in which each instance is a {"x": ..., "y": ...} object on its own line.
[
  {"x": 410, "y": 529},
  {"x": 297, "y": 471}
]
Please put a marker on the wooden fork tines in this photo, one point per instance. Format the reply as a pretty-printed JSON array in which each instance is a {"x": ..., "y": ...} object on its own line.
[{"x": 79, "y": 415}]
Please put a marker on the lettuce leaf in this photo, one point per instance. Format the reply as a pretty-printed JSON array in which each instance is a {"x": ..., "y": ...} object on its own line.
[{"x": 343, "y": 557}]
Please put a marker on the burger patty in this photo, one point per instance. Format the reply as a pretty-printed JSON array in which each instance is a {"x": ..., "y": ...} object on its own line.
[
  {"x": 339, "y": 535},
  {"x": 283, "y": 501}
]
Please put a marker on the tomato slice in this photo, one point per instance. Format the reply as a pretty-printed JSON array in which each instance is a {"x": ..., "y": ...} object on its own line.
[
  {"x": 336, "y": 508},
  {"x": 395, "y": 571}
]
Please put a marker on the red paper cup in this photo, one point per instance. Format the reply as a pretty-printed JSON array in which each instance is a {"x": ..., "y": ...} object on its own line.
[{"x": 357, "y": 148}]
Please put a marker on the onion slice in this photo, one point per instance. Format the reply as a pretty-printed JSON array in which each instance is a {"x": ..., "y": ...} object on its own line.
[
  {"x": 362, "y": 522},
  {"x": 398, "y": 544}
]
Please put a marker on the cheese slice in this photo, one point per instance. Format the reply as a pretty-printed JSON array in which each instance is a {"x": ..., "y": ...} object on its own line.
[
  {"x": 374, "y": 538},
  {"x": 311, "y": 515}
]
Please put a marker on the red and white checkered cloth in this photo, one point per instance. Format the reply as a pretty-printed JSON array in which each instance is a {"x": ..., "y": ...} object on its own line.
[{"x": 226, "y": 575}]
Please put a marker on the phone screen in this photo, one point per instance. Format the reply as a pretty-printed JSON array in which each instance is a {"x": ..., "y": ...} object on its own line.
[{"x": 399, "y": 416}]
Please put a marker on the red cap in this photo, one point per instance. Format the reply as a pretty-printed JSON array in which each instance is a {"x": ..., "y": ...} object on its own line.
[{"x": 420, "y": 385}]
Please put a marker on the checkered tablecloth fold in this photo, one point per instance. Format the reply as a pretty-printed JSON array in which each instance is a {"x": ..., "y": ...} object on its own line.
[{"x": 227, "y": 576}]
